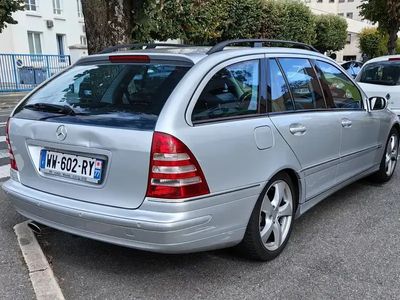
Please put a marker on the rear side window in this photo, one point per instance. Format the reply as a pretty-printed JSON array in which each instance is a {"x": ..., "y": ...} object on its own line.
[
  {"x": 118, "y": 95},
  {"x": 232, "y": 91},
  {"x": 303, "y": 83},
  {"x": 340, "y": 92},
  {"x": 383, "y": 73}
]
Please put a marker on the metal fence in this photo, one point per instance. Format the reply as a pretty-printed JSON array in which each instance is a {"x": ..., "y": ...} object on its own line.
[{"x": 23, "y": 72}]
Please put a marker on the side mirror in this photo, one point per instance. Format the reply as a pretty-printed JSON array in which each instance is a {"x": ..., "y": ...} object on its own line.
[{"x": 377, "y": 103}]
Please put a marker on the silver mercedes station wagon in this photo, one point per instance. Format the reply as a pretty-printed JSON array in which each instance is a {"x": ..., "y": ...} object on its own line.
[{"x": 183, "y": 149}]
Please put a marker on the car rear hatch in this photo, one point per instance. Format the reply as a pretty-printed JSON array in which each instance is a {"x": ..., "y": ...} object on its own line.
[{"x": 87, "y": 134}]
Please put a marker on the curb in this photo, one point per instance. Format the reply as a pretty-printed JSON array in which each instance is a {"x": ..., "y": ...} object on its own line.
[{"x": 42, "y": 277}]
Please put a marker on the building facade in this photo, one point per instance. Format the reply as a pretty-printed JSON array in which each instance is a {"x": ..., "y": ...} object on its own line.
[
  {"x": 347, "y": 9},
  {"x": 53, "y": 27}
]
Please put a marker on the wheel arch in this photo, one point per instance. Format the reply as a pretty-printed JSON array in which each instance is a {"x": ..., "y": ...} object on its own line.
[
  {"x": 296, "y": 180},
  {"x": 397, "y": 127},
  {"x": 295, "y": 177}
]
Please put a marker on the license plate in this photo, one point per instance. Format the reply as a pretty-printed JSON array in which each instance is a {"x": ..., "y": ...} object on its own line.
[{"x": 71, "y": 166}]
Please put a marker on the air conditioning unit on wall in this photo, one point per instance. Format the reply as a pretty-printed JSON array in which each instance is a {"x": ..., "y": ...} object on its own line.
[{"x": 49, "y": 23}]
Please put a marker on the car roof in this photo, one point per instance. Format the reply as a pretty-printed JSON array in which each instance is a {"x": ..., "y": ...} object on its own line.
[
  {"x": 197, "y": 53},
  {"x": 383, "y": 58}
]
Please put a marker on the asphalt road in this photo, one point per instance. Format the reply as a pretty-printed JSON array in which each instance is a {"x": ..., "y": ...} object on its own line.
[
  {"x": 14, "y": 278},
  {"x": 346, "y": 247}
]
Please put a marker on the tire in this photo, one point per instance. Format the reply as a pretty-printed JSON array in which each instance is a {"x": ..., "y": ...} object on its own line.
[
  {"x": 271, "y": 221},
  {"x": 389, "y": 158}
]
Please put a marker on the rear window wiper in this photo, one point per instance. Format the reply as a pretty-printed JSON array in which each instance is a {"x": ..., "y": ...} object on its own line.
[{"x": 52, "y": 108}]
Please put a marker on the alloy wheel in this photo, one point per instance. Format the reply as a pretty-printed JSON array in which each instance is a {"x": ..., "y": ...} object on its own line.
[
  {"x": 276, "y": 215},
  {"x": 392, "y": 150}
]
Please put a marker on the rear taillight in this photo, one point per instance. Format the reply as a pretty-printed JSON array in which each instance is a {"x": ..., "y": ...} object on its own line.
[
  {"x": 13, "y": 163},
  {"x": 174, "y": 171}
]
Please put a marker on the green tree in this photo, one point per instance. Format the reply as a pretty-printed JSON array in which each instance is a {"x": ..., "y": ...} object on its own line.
[
  {"x": 287, "y": 20},
  {"x": 387, "y": 14},
  {"x": 7, "y": 7},
  {"x": 210, "y": 21},
  {"x": 331, "y": 33},
  {"x": 372, "y": 42},
  {"x": 193, "y": 21},
  {"x": 244, "y": 19}
]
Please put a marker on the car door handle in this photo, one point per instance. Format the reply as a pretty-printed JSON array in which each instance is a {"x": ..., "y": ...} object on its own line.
[
  {"x": 346, "y": 123},
  {"x": 297, "y": 129}
]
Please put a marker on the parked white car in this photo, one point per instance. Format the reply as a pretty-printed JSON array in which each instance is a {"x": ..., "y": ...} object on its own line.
[{"x": 381, "y": 77}]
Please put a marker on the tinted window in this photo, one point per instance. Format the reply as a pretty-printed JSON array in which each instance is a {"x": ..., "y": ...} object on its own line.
[
  {"x": 303, "y": 83},
  {"x": 233, "y": 91},
  {"x": 122, "y": 95},
  {"x": 278, "y": 92},
  {"x": 339, "y": 91},
  {"x": 384, "y": 73}
]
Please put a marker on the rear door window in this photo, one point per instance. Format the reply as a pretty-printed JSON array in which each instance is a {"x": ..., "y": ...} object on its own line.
[
  {"x": 303, "y": 83},
  {"x": 340, "y": 91},
  {"x": 278, "y": 92},
  {"x": 118, "y": 95},
  {"x": 232, "y": 91}
]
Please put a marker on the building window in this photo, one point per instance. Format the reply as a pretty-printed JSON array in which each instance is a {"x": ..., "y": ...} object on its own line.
[
  {"x": 83, "y": 40},
  {"x": 349, "y": 15},
  {"x": 341, "y": 1},
  {"x": 35, "y": 45},
  {"x": 331, "y": 1},
  {"x": 340, "y": 14},
  {"x": 60, "y": 44},
  {"x": 350, "y": 0},
  {"x": 348, "y": 40},
  {"x": 319, "y": 1},
  {"x": 79, "y": 5},
  {"x": 31, "y": 5},
  {"x": 57, "y": 9}
]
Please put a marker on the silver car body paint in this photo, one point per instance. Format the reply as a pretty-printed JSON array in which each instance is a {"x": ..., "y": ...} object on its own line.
[{"x": 237, "y": 157}]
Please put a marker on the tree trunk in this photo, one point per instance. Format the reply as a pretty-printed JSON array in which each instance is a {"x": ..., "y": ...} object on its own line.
[
  {"x": 392, "y": 41},
  {"x": 107, "y": 22}
]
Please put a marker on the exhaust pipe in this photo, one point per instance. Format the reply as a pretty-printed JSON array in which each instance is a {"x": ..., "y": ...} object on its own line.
[{"x": 35, "y": 227}]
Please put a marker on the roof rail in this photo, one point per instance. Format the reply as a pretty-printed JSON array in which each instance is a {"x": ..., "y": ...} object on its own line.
[
  {"x": 259, "y": 43},
  {"x": 140, "y": 46}
]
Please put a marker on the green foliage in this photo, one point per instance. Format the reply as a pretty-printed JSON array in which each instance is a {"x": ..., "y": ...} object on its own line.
[
  {"x": 331, "y": 33},
  {"x": 287, "y": 20},
  {"x": 372, "y": 42},
  {"x": 7, "y": 7},
  {"x": 387, "y": 14},
  {"x": 197, "y": 21},
  {"x": 210, "y": 21},
  {"x": 244, "y": 19}
]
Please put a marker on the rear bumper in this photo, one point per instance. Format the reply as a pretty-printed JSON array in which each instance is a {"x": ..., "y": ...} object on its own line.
[{"x": 214, "y": 222}]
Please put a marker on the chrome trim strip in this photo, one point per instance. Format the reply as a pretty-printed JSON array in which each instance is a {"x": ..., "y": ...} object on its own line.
[
  {"x": 330, "y": 162},
  {"x": 203, "y": 197},
  {"x": 348, "y": 156}
]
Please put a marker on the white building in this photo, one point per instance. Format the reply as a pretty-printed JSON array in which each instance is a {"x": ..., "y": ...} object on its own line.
[
  {"x": 347, "y": 9},
  {"x": 47, "y": 27}
]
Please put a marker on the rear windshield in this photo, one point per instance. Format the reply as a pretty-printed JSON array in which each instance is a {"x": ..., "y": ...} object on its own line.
[
  {"x": 117, "y": 95},
  {"x": 383, "y": 73}
]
